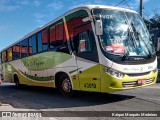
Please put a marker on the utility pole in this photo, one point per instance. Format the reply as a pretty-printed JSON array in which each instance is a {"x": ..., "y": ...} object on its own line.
[{"x": 141, "y": 7}]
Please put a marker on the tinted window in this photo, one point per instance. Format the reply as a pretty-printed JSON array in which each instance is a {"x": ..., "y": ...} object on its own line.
[
  {"x": 39, "y": 38},
  {"x": 16, "y": 51},
  {"x": 84, "y": 42},
  {"x": 24, "y": 48},
  {"x": 45, "y": 39},
  {"x": 9, "y": 54},
  {"x": 74, "y": 20},
  {"x": 32, "y": 45},
  {"x": 4, "y": 56},
  {"x": 58, "y": 40},
  {"x": 85, "y": 45},
  {"x": 57, "y": 34},
  {"x": 52, "y": 36}
]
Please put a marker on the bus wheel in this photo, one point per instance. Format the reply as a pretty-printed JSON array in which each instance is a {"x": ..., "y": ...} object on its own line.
[
  {"x": 65, "y": 86},
  {"x": 16, "y": 81}
]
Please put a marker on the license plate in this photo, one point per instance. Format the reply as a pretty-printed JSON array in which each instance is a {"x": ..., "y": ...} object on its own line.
[{"x": 141, "y": 82}]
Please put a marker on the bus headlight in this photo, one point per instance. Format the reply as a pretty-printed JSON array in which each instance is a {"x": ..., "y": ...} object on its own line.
[
  {"x": 155, "y": 70},
  {"x": 114, "y": 72}
]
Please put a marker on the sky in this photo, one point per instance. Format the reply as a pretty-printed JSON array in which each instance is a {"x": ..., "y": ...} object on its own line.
[{"x": 19, "y": 17}]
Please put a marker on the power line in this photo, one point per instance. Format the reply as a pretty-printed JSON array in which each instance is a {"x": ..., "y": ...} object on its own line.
[
  {"x": 127, "y": 3},
  {"x": 119, "y": 3},
  {"x": 122, "y": 3}
]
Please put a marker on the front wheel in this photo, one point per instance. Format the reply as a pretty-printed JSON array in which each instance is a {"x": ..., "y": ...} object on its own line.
[{"x": 65, "y": 86}]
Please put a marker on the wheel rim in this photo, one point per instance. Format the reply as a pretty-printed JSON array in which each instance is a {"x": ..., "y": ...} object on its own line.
[{"x": 66, "y": 86}]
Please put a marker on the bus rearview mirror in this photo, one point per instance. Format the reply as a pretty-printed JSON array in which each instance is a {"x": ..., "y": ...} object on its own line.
[{"x": 99, "y": 28}]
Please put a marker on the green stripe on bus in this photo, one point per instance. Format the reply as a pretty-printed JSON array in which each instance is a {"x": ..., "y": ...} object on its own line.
[
  {"x": 35, "y": 78},
  {"x": 74, "y": 71}
]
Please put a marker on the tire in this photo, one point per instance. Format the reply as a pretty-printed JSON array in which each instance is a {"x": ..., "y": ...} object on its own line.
[
  {"x": 16, "y": 81},
  {"x": 65, "y": 86}
]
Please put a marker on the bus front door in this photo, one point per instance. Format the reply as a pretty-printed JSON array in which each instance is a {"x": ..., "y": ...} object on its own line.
[
  {"x": 87, "y": 62},
  {"x": 88, "y": 75}
]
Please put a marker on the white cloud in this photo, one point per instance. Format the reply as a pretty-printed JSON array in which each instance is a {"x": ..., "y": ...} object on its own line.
[
  {"x": 56, "y": 5},
  {"x": 39, "y": 18},
  {"x": 38, "y": 15},
  {"x": 40, "y": 22},
  {"x": 36, "y": 3},
  {"x": 23, "y": 2},
  {"x": 8, "y": 7},
  {"x": 5, "y": 5}
]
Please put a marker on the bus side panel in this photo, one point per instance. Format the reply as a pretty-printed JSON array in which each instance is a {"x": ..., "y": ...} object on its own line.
[
  {"x": 7, "y": 72},
  {"x": 40, "y": 70}
]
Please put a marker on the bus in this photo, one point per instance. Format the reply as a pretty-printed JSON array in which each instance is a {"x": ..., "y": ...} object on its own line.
[{"x": 93, "y": 48}]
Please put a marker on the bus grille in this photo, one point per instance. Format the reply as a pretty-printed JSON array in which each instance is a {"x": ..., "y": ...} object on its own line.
[
  {"x": 135, "y": 83},
  {"x": 138, "y": 74}
]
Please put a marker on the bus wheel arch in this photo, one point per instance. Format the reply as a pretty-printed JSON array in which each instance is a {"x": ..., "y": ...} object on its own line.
[{"x": 63, "y": 83}]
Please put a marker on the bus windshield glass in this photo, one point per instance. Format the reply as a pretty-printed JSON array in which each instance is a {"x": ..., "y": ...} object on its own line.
[{"x": 124, "y": 33}]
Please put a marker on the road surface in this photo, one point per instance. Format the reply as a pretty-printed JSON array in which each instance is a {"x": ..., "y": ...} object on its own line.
[{"x": 44, "y": 99}]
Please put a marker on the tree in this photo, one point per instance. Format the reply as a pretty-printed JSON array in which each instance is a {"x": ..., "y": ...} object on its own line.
[{"x": 153, "y": 22}]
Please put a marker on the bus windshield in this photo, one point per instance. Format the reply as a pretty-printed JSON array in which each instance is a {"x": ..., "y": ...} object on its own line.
[{"x": 124, "y": 33}]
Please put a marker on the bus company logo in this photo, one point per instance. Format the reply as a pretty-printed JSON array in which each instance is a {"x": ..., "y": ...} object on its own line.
[
  {"x": 6, "y": 114},
  {"x": 139, "y": 58},
  {"x": 133, "y": 69}
]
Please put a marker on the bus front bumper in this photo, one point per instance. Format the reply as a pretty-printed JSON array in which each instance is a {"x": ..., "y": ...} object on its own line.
[{"x": 128, "y": 82}]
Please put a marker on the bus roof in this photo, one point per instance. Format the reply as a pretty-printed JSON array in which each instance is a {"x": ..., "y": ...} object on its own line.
[{"x": 89, "y": 7}]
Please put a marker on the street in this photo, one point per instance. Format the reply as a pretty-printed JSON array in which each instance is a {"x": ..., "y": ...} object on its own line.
[{"x": 45, "y": 99}]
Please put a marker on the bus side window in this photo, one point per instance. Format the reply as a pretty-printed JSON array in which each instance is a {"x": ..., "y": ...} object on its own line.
[
  {"x": 16, "y": 51},
  {"x": 24, "y": 48},
  {"x": 4, "y": 56},
  {"x": 58, "y": 39},
  {"x": 84, "y": 43},
  {"x": 39, "y": 40},
  {"x": 74, "y": 22},
  {"x": 9, "y": 54},
  {"x": 32, "y": 45},
  {"x": 45, "y": 39},
  {"x": 86, "y": 46}
]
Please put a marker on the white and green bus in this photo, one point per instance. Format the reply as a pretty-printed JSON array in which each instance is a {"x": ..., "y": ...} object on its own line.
[{"x": 90, "y": 48}]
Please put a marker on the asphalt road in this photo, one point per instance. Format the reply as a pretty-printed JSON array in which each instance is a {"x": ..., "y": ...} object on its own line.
[{"x": 44, "y": 99}]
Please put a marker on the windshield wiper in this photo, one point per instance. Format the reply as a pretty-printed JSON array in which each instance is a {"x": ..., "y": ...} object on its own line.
[
  {"x": 136, "y": 33},
  {"x": 125, "y": 55}
]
